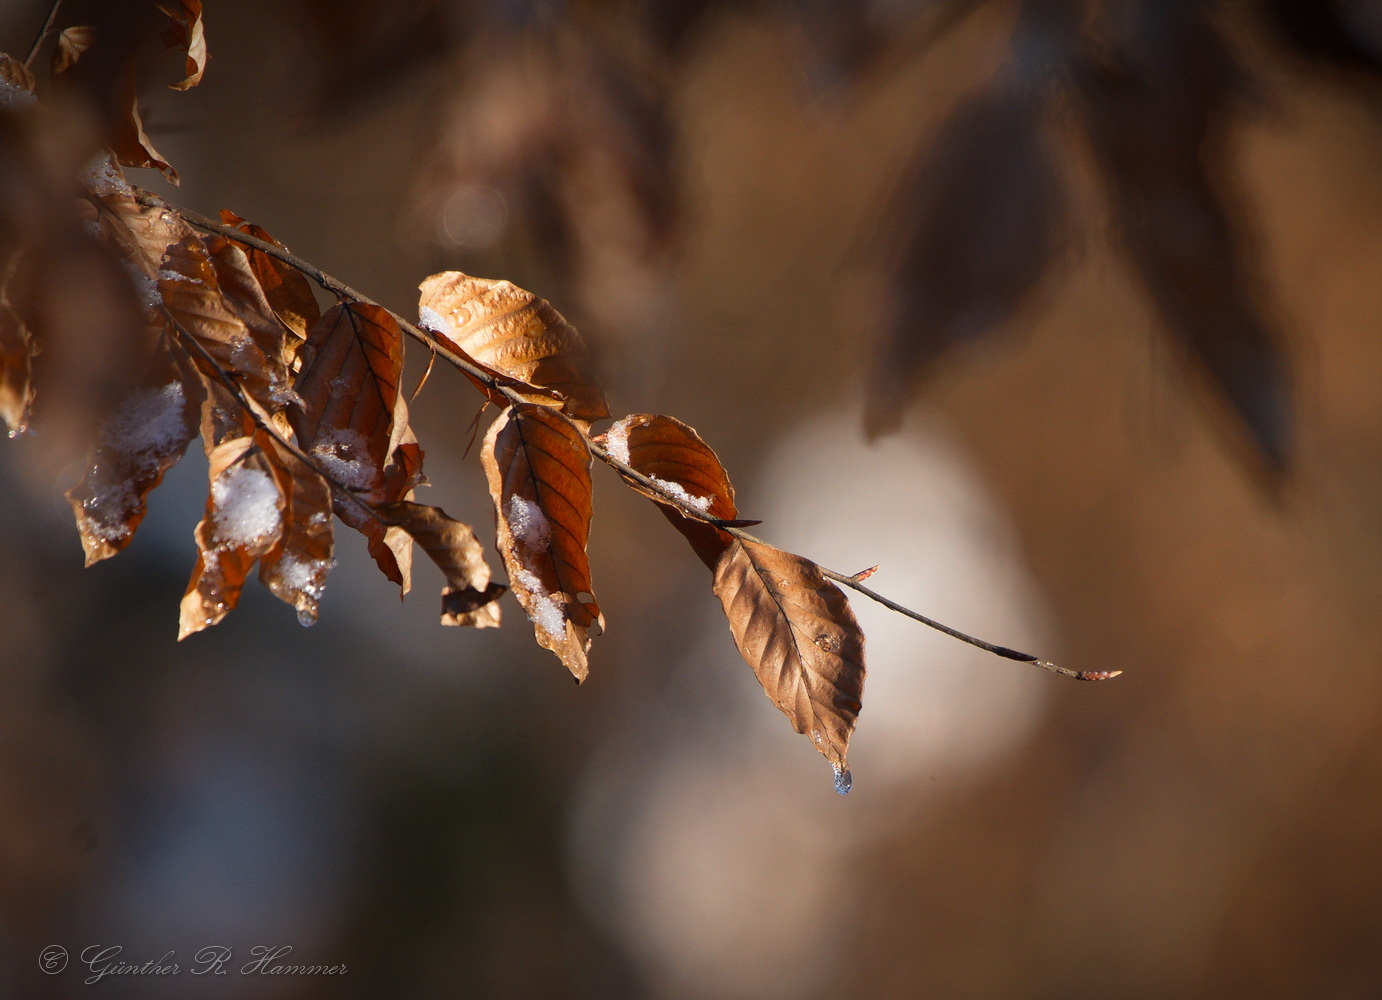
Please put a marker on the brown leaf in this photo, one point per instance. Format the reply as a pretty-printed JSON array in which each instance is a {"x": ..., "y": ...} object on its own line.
[
  {"x": 983, "y": 210},
  {"x": 186, "y": 32},
  {"x": 243, "y": 523},
  {"x": 286, "y": 287},
  {"x": 16, "y": 370},
  {"x": 469, "y": 597},
  {"x": 240, "y": 288},
  {"x": 295, "y": 568},
  {"x": 141, "y": 440},
  {"x": 129, "y": 142},
  {"x": 514, "y": 333},
  {"x": 15, "y": 73},
  {"x": 538, "y": 469},
  {"x": 353, "y": 421},
  {"x": 667, "y": 450},
  {"x": 72, "y": 43},
  {"x": 797, "y": 632}
]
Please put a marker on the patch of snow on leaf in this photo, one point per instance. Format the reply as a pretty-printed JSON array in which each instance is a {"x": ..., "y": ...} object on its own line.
[
  {"x": 545, "y": 612},
  {"x": 103, "y": 177},
  {"x": 617, "y": 442},
  {"x": 246, "y": 506},
  {"x": 149, "y": 295},
  {"x": 528, "y": 523},
  {"x": 430, "y": 319},
  {"x": 148, "y": 426},
  {"x": 702, "y": 504},
  {"x": 343, "y": 453}
]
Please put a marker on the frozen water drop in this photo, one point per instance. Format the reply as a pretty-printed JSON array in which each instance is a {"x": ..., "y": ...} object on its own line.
[
  {"x": 844, "y": 781},
  {"x": 307, "y": 617}
]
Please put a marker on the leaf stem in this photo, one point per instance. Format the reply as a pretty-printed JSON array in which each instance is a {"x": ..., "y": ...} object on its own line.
[
  {"x": 42, "y": 34},
  {"x": 487, "y": 379}
]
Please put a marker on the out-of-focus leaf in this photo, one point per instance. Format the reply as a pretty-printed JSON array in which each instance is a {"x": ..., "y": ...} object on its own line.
[
  {"x": 141, "y": 440},
  {"x": 16, "y": 370},
  {"x": 985, "y": 207},
  {"x": 668, "y": 451},
  {"x": 1156, "y": 113},
  {"x": 187, "y": 33},
  {"x": 797, "y": 632},
  {"x": 287, "y": 289},
  {"x": 243, "y": 523},
  {"x": 72, "y": 43},
  {"x": 15, "y": 74},
  {"x": 353, "y": 421},
  {"x": 538, "y": 469},
  {"x": 514, "y": 333},
  {"x": 469, "y": 598},
  {"x": 295, "y": 568}
]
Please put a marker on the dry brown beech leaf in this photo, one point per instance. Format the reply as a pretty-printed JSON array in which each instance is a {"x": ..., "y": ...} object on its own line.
[
  {"x": 295, "y": 568},
  {"x": 668, "y": 451},
  {"x": 514, "y": 333},
  {"x": 140, "y": 441},
  {"x": 796, "y": 630},
  {"x": 72, "y": 43},
  {"x": 286, "y": 287},
  {"x": 15, "y": 73},
  {"x": 353, "y": 420},
  {"x": 16, "y": 369},
  {"x": 538, "y": 469},
  {"x": 187, "y": 33},
  {"x": 242, "y": 523},
  {"x": 469, "y": 597},
  {"x": 131, "y": 144},
  {"x": 241, "y": 290},
  {"x": 190, "y": 285}
]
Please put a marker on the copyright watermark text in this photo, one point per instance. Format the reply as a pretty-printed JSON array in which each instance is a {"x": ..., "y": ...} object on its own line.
[{"x": 100, "y": 961}]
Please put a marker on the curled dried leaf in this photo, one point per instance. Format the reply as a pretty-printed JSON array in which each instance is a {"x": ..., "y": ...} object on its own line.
[
  {"x": 796, "y": 630},
  {"x": 243, "y": 523},
  {"x": 187, "y": 33},
  {"x": 131, "y": 144},
  {"x": 469, "y": 597},
  {"x": 72, "y": 44},
  {"x": 673, "y": 455},
  {"x": 516, "y": 334},
  {"x": 538, "y": 468},
  {"x": 15, "y": 74},
  {"x": 287, "y": 289},
  {"x": 140, "y": 441}
]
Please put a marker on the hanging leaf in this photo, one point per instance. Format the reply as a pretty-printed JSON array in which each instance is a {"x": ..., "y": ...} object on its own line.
[
  {"x": 130, "y": 143},
  {"x": 295, "y": 568},
  {"x": 673, "y": 454},
  {"x": 72, "y": 44},
  {"x": 17, "y": 75},
  {"x": 469, "y": 597},
  {"x": 538, "y": 469},
  {"x": 514, "y": 333},
  {"x": 140, "y": 441},
  {"x": 241, "y": 290},
  {"x": 286, "y": 287},
  {"x": 187, "y": 33},
  {"x": 796, "y": 630},
  {"x": 243, "y": 523},
  {"x": 354, "y": 422}
]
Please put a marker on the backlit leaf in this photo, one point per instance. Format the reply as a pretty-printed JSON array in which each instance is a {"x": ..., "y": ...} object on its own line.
[
  {"x": 243, "y": 523},
  {"x": 295, "y": 568},
  {"x": 353, "y": 421},
  {"x": 287, "y": 289},
  {"x": 796, "y": 630},
  {"x": 668, "y": 451},
  {"x": 140, "y": 441},
  {"x": 538, "y": 469},
  {"x": 72, "y": 43},
  {"x": 16, "y": 370},
  {"x": 187, "y": 33},
  {"x": 469, "y": 597},
  {"x": 514, "y": 333}
]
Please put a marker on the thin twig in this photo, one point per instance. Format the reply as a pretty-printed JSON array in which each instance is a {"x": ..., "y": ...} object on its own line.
[
  {"x": 489, "y": 381},
  {"x": 42, "y": 34}
]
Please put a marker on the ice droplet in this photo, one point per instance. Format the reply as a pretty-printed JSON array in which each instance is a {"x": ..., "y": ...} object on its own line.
[
  {"x": 307, "y": 617},
  {"x": 844, "y": 781}
]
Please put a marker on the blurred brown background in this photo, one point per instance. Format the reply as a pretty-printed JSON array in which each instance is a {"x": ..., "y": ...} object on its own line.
[{"x": 1120, "y": 264}]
